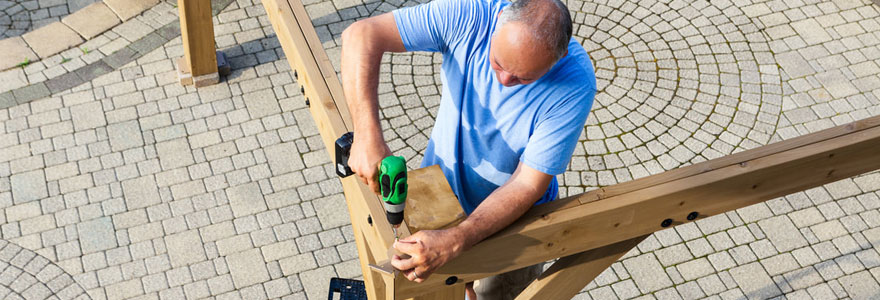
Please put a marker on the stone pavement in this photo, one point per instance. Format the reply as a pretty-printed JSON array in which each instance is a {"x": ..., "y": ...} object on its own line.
[{"x": 129, "y": 185}]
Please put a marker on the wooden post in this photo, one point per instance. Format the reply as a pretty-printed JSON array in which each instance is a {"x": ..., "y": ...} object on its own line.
[{"x": 198, "y": 66}]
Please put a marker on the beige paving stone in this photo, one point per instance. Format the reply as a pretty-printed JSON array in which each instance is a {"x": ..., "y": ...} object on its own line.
[
  {"x": 174, "y": 154},
  {"x": 262, "y": 103},
  {"x": 88, "y": 115},
  {"x": 246, "y": 199},
  {"x": 185, "y": 248},
  {"x": 29, "y": 186},
  {"x": 126, "y": 9},
  {"x": 92, "y": 20},
  {"x": 861, "y": 286},
  {"x": 96, "y": 235},
  {"x": 12, "y": 79},
  {"x": 22, "y": 211},
  {"x": 140, "y": 192},
  {"x": 15, "y": 51},
  {"x": 247, "y": 268},
  {"x": 51, "y": 39}
]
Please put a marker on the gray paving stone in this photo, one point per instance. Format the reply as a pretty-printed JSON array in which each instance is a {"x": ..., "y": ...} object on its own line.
[
  {"x": 140, "y": 192},
  {"x": 125, "y": 135},
  {"x": 88, "y": 115},
  {"x": 261, "y": 103},
  {"x": 96, "y": 235},
  {"x": 860, "y": 285},
  {"x": 185, "y": 248},
  {"x": 754, "y": 281},
  {"x": 283, "y": 158},
  {"x": 246, "y": 199},
  {"x": 247, "y": 268},
  {"x": 647, "y": 273},
  {"x": 174, "y": 154},
  {"x": 29, "y": 186},
  {"x": 782, "y": 233}
]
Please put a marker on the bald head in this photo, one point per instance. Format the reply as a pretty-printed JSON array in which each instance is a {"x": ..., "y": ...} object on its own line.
[{"x": 546, "y": 22}]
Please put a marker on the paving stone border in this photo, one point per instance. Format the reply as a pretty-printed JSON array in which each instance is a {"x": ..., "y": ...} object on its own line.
[
  {"x": 54, "y": 37},
  {"x": 107, "y": 64},
  {"x": 25, "y": 274}
]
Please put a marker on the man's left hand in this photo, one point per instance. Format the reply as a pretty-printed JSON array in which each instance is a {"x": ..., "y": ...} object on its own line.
[{"x": 428, "y": 250}]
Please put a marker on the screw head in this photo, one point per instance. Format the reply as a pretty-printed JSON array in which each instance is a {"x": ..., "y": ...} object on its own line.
[
  {"x": 451, "y": 280},
  {"x": 693, "y": 216},
  {"x": 666, "y": 223},
  {"x": 370, "y": 220}
]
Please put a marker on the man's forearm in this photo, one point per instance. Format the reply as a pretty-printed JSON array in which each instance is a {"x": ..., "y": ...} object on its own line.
[
  {"x": 360, "y": 70},
  {"x": 501, "y": 208}
]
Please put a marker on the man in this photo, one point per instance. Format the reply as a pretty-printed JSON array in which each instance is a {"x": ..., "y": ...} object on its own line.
[{"x": 516, "y": 93}]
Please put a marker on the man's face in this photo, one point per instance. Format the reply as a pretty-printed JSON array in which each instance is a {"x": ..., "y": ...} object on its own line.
[{"x": 515, "y": 57}]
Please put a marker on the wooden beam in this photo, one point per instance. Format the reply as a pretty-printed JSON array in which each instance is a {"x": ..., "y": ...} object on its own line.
[
  {"x": 568, "y": 275},
  {"x": 197, "y": 35},
  {"x": 590, "y": 220}
]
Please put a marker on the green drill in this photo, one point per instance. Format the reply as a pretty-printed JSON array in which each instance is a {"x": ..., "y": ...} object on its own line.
[{"x": 392, "y": 186}]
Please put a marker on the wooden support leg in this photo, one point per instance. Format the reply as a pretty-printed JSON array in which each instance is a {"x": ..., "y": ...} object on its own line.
[
  {"x": 373, "y": 283},
  {"x": 197, "y": 34},
  {"x": 570, "y": 274},
  {"x": 455, "y": 292}
]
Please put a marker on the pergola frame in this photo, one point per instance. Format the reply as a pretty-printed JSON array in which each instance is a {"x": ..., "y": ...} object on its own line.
[{"x": 590, "y": 231}]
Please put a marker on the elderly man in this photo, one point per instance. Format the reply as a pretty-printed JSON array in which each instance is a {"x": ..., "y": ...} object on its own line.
[{"x": 516, "y": 93}]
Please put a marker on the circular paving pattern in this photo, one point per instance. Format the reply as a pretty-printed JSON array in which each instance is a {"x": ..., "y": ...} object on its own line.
[
  {"x": 15, "y": 19},
  {"x": 25, "y": 274},
  {"x": 679, "y": 82}
]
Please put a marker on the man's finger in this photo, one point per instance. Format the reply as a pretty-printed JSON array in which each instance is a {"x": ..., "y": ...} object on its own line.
[
  {"x": 399, "y": 263},
  {"x": 406, "y": 246}
]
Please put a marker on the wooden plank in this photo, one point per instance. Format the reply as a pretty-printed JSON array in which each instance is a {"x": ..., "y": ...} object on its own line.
[
  {"x": 328, "y": 74},
  {"x": 547, "y": 232},
  {"x": 567, "y": 276},
  {"x": 455, "y": 292},
  {"x": 197, "y": 34},
  {"x": 736, "y": 158},
  {"x": 327, "y": 117},
  {"x": 430, "y": 202}
]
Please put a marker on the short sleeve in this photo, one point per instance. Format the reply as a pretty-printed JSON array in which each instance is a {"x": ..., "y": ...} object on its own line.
[
  {"x": 553, "y": 141},
  {"x": 436, "y": 25}
]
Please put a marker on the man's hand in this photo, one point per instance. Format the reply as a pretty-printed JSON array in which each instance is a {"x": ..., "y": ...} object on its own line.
[
  {"x": 366, "y": 155},
  {"x": 428, "y": 250}
]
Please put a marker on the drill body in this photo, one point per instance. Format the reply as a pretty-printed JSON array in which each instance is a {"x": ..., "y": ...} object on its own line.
[{"x": 392, "y": 187}]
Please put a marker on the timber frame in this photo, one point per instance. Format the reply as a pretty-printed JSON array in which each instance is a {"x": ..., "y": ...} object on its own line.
[{"x": 590, "y": 231}]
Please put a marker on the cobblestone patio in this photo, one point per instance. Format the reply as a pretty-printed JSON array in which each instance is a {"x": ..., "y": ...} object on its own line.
[{"x": 131, "y": 186}]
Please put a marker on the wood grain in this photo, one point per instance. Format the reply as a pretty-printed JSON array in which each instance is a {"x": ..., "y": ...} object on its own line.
[{"x": 197, "y": 35}]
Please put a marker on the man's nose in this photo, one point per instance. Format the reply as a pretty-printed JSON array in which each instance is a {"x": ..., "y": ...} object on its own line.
[{"x": 507, "y": 79}]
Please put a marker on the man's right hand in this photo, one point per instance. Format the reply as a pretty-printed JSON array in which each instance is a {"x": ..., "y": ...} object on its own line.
[{"x": 364, "y": 159}]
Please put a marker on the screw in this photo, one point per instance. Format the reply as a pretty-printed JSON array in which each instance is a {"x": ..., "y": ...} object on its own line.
[
  {"x": 451, "y": 280},
  {"x": 295, "y": 74},
  {"x": 666, "y": 223},
  {"x": 370, "y": 220},
  {"x": 307, "y": 102},
  {"x": 302, "y": 89},
  {"x": 693, "y": 216}
]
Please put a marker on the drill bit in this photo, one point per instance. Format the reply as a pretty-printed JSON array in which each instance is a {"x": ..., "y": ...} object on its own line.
[{"x": 394, "y": 228}]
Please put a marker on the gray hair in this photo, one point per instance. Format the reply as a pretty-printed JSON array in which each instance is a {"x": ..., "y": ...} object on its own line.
[{"x": 548, "y": 22}]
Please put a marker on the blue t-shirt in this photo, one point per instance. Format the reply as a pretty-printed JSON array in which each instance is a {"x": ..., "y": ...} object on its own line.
[{"x": 483, "y": 129}]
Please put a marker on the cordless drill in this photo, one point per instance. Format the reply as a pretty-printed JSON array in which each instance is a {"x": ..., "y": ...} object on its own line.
[
  {"x": 392, "y": 179},
  {"x": 392, "y": 187}
]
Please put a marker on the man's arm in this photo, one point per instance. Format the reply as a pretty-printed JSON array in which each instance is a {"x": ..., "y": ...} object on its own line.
[
  {"x": 363, "y": 44},
  {"x": 430, "y": 249}
]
